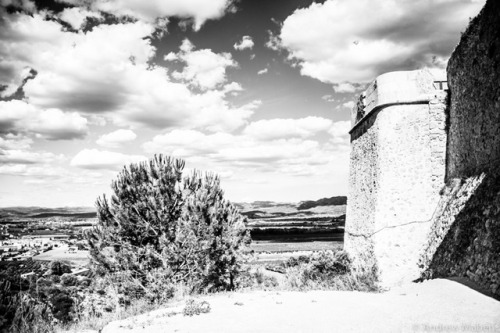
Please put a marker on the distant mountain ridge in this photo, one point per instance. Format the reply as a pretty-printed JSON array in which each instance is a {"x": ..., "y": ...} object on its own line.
[
  {"x": 333, "y": 201},
  {"x": 90, "y": 212},
  {"x": 302, "y": 205},
  {"x": 42, "y": 212}
]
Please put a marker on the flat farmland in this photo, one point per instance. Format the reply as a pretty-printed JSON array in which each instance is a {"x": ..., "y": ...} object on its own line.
[
  {"x": 274, "y": 252},
  {"x": 282, "y": 231},
  {"x": 280, "y": 247},
  {"x": 77, "y": 258}
]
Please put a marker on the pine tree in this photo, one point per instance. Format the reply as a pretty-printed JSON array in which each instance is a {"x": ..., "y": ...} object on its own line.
[{"x": 158, "y": 221}]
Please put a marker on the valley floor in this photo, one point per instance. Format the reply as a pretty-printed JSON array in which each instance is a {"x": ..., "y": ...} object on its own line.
[{"x": 432, "y": 306}]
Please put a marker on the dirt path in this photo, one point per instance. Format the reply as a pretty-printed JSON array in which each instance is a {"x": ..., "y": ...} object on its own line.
[{"x": 432, "y": 306}]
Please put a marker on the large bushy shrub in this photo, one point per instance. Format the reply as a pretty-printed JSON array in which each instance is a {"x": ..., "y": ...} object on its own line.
[{"x": 159, "y": 225}]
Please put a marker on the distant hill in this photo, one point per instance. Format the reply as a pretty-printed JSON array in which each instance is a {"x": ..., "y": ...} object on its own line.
[
  {"x": 89, "y": 215},
  {"x": 264, "y": 204},
  {"x": 41, "y": 212},
  {"x": 334, "y": 206},
  {"x": 333, "y": 201},
  {"x": 250, "y": 209}
]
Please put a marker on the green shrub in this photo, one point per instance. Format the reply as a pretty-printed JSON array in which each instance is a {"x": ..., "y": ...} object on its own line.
[
  {"x": 328, "y": 270},
  {"x": 31, "y": 315},
  {"x": 255, "y": 279},
  {"x": 62, "y": 306},
  {"x": 69, "y": 280},
  {"x": 58, "y": 267},
  {"x": 37, "y": 303},
  {"x": 21, "y": 309},
  {"x": 159, "y": 225},
  {"x": 85, "y": 282},
  {"x": 270, "y": 282},
  {"x": 327, "y": 264},
  {"x": 44, "y": 283},
  {"x": 195, "y": 308},
  {"x": 8, "y": 304},
  {"x": 293, "y": 261}
]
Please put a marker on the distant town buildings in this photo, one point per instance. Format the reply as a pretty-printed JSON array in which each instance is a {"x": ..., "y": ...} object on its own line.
[{"x": 24, "y": 239}]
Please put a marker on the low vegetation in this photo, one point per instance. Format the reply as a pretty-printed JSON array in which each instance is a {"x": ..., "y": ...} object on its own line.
[
  {"x": 332, "y": 270},
  {"x": 36, "y": 303},
  {"x": 194, "y": 307}
]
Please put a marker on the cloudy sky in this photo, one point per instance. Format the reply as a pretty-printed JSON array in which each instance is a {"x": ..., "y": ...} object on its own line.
[{"x": 257, "y": 91}]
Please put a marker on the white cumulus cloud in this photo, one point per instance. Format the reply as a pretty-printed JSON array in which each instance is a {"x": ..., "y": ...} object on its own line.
[
  {"x": 328, "y": 98},
  {"x": 349, "y": 105},
  {"x": 339, "y": 132},
  {"x": 171, "y": 56},
  {"x": 354, "y": 41},
  {"x": 15, "y": 141},
  {"x": 198, "y": 10},
  {"x": 116, "y": 139},
  {"x": 204, "y": 68},
  {"x": 273, "y": 41},
  {"x": 245, "y": 43},
  {"x": 100, "y": 159},
  {"x": 278, "y": 146},
  {"x": 262, "y": 71},
  {"x": 287, "y": 128},
  {"x": 76, "y": 16},
  {"x": 118, "y": 80},
  {"x": 28, "y": 170},
  {"x": 26, "y": 157},
  {"x": 344, "y": 87},
  {"x": 229, "y": 148},
  {"x": 53, "y": 124}
]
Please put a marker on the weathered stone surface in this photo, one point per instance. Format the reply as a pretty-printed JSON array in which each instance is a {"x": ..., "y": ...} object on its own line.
[
  {"x": 396, "y": 172},
  {"x": 465, "y": 239},
  {"x": 474, "y": 79}
]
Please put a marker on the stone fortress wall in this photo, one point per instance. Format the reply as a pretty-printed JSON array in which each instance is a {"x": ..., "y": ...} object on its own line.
[
  {"x": 465, "y": 239},
  {"x": 424, "y": 197},
  {"x": 397, "y": 169}
]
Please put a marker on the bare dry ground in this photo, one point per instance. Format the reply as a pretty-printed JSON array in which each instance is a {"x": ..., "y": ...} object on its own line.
[{"x": 432, "y": 306}]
